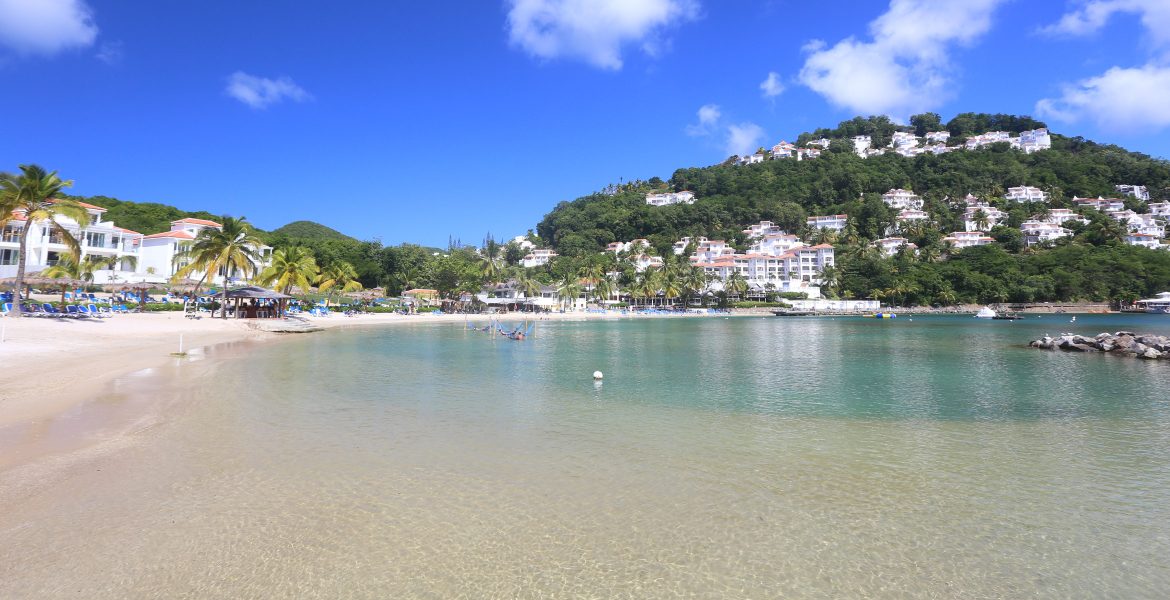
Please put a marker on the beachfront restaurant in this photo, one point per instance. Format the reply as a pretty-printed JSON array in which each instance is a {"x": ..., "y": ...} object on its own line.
[{"x": 254, "y": 302}]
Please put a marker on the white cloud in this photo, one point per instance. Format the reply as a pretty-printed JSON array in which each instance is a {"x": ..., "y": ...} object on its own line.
[
  {"x": 743, "y": 138},
  {"x": 46, "y": 26},
  {"x": 905, "y": 67},
  {"x": 260, "y": 92},
  {"x": 594, "y": 30},
  {"x": 771, "y": 87},
  {"x": 1094, "y": 14},
  {"x": 110, "y": 53},
  {"x": 709, "y": 115},
  {"x": 1121, "y": 99}
]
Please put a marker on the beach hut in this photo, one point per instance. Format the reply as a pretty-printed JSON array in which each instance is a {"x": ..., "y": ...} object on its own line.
[{"x": 254, "y": 309}]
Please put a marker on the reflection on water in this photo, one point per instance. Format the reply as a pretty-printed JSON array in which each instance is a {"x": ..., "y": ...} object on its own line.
[{"x": 719, "y": 458}]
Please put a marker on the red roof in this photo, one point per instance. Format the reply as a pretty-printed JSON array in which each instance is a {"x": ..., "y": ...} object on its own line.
[
  {"x": 182, "y": 235},
  {"x": 83, "y": 205},
  {"x": 198, "y": 222},
  {"x": 124, "y": 230}
]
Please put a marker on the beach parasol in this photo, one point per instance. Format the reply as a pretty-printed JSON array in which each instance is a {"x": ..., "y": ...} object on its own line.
[{"x": 40, "y": 280}]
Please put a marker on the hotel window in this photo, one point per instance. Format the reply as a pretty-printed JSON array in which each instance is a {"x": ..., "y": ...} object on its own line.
[{"x": 8, "y": 256}]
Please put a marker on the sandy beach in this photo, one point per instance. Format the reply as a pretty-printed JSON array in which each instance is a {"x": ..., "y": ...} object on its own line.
[{"x": 57, "y": 366}]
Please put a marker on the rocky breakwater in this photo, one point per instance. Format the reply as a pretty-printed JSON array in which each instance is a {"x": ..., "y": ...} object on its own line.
[{"x": 1123, "y": 342}]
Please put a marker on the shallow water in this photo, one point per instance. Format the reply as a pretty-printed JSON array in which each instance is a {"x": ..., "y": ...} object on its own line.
[{"x": 745, "y": 457}]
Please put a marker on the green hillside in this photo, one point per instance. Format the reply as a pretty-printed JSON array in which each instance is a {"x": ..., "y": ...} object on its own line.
[
  {"x": 309, "y": 230},
  {"x": 731, "y": 196},
  {"x": 143, "y": 217}
]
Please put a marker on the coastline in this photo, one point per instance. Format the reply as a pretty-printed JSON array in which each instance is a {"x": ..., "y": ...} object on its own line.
[{"x": 59, "y": 366}]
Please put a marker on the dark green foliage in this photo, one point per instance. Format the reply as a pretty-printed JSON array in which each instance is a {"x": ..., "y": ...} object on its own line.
[
  {"x": 143, "y": 217},
  {"x": 309, "y": 230}
]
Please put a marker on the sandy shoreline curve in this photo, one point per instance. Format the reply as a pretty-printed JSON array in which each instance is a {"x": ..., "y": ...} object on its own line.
[{"x": 55, "y": 366}]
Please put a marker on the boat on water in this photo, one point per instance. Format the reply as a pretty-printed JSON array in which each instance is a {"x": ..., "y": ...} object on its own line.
[
  {"x": 1008, "y": 317},
  {"x": 985, "y": 313},
  {"x": 785, "y": 312},
  {"x": 1158, "y": 305}
]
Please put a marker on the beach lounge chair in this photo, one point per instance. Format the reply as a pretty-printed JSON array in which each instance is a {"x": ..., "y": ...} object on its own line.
[
  {"x": 6, "y": 309},
  {"x": 51, "y": 311},
  {"x": 94, "y": 312}
]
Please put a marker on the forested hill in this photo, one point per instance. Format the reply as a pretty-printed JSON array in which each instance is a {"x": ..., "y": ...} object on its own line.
[
  {"x": 143, "y": 217},
  {"x": 785, "y": 191},
  {"x": 309, "y": 230}
]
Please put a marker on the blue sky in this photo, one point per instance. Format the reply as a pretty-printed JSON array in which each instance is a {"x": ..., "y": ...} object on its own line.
[{"x": 413, "y": 121}]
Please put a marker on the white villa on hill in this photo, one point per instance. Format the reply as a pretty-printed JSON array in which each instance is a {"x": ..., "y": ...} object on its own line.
[
  {"x": 967, "y": 239},
  {"x": 668, "y": 198},
  {"x": 902, "y": 199},
  {"x": 1144, "y": 239},
  {"x": 1099, "y": 203},
  {"x": 1159, "y": 209},
  {"x": 893, "y": 245},
  {"x": 631, "y": 246},
  {"x": 1137, "y": 191},
  {"x": 680, "y": 247},
  {"x": 1036, "y": 232},
  {"x": 761, "y": 229},
  {"x": 830, "y": 222},
  {"x": 1026, "y": 193},
  {"x": 538, "y": 257},
  {"x": 993, "y": 216}
]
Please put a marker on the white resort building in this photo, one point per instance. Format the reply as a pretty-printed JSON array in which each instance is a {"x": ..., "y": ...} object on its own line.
[
  {"x": 1144, "y": 239},
  {"x": 830, "y": 222},
  {"x": 668, "y": 198},
  {"x": 45, "y": 246},
  {"x": 149, "y": 258},
  {"x": 991, "y": 217},
  {"x": 902, "y": 199},
  {"x": 538, "y": 257},
  {"x": 1036, "y": 232},
  {"x": 893, "y": 245},
  {"x": 1026, "y": 193},
  {"x": 1137, "y": 191},
  {"x": 1099, "y": 203},
  {"x": 967, "y": 239}
]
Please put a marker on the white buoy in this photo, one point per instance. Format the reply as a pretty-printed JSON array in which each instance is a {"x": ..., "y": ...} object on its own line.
[{"x": 598, "y": 375}]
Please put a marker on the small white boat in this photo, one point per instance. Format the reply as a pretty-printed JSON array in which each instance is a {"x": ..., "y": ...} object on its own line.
[{"x": 985, "y": 313}]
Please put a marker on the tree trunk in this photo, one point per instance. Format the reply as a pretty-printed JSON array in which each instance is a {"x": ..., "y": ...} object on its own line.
[
  {"x": 223, "y": 305},
  {"x": 21, "y": 257}
]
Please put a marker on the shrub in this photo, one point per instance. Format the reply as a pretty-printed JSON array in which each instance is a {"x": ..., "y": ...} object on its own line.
[
  {"x": 160, "y": 306},
  {"x": 753, "y": 304}
]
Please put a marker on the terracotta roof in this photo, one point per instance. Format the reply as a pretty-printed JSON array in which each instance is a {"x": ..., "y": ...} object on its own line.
[
  {"x": 124, "y": 230},
  {"x": 83, "y": 205},
  {"x": 198, "y": 222},
  {"x": 182, "y": 235}
]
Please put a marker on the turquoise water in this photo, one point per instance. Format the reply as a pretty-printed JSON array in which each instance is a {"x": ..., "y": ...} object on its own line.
[{"x": 738, "y": 457}]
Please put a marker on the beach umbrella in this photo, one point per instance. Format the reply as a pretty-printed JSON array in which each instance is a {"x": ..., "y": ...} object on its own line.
[{"x": 40, "y": 280}]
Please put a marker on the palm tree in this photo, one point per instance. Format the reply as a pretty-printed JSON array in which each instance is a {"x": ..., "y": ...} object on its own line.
[
  {"x": 232, "y": 247},
  {"x": 529, "y": 287},
  {"x": 71, "y": 268},
  {"x": 980, "y": 219},
  {"x": 340, "y": 275},
  {"x": 568, "y": 290},
  {"x": 33, "y": 194},
  {"x": 695, "y": 281},
  {"x": 489, "y": 270},
  {"x": 736, "y": 285},
  {"x": 672, "y": 286},
  {"x": 830, "y": 277},
  {"x": 293, "y": 266},
  {"x": 602, "y": 290}
]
